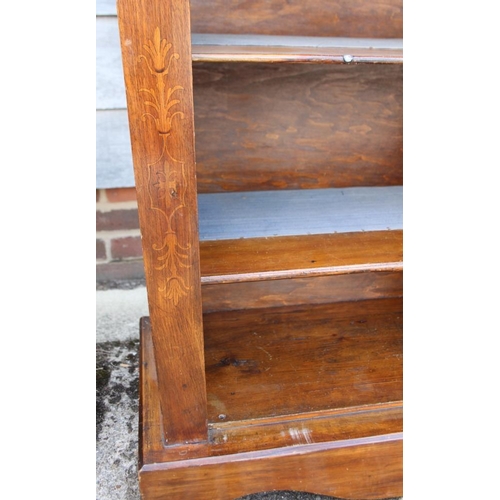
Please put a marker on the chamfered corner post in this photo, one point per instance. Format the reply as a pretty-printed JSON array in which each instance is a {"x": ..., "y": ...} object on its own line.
[{"x": 155, "y": 39}]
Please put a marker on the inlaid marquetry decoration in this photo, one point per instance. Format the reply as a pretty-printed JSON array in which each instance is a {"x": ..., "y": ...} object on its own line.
[{"x": 167, "y": 180}]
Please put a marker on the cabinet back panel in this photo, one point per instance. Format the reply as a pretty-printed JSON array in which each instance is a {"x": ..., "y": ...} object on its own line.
[
  {"x": 297, "y": 126},
  {"x": 351, "y": 18}
]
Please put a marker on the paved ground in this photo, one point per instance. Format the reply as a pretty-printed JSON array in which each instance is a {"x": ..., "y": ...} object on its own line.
[{"x": 117, "y": 343}]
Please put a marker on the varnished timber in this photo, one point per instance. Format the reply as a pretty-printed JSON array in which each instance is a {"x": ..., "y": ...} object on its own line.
[
  {"x": 306, "y": 428},
  {"x": 156, "y": 54},
  {"x": 228, "y": 437},
  {"x": 294, "y": 49},
  {"x": 274, "y": 452},
  {"x": 349, "y": 18},
  {"x": 258, "y": 259},
  {"x": 297, "y": 126},
  {"x": 300, "y": 359},
  {"x": 301, "y": 291},
  {"x": 268, "y": 363},
  {"x": 364, "y": 468},
  {"x": 309, "y": 269}
]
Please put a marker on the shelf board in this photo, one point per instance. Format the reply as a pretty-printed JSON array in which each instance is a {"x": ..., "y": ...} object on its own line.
[
  {"x": 334, "y": 370},
  {"x": 258, "y": 259},
  {"x": 262, "y": 249},
  {"x": 301, "y": 359},
  {"x": 267, "y": 48}
]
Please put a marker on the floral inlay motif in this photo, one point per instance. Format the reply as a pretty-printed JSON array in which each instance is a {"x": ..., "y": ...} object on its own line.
[{"x": 166, "y": 175}]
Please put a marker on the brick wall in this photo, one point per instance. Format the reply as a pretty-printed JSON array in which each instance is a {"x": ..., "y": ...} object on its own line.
[{"x": 118, "y": 240}]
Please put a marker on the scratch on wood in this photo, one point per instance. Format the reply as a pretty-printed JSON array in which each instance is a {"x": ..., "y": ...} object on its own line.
[
  {"x": 262, "y": 349},
  {"x": 300, "y": 435}
]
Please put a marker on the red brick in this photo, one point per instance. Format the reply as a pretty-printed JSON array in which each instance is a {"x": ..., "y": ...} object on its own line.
[
  {"x": 121, "y": 194},
  {"x": 124, "y": 270},
  {"x": 124, "y": 248},
  {"x": 97, "y": 195},
  {"x": 100, "y": 249},
  {"x": 117, "y": 219}
]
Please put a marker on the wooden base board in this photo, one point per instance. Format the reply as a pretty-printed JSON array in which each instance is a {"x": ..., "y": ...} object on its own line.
[
  {"x": 344, "y": 450},
  {"x": 370, "y": 470}
]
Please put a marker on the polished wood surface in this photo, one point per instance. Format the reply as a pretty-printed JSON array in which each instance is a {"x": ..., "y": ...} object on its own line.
[
  {"x": 301, "y": 359},
  {"x": 282, "y": 452},
  {"x": 293, "y": 270},
  {"x": 216, "y": 53},
  {"x": 301, "y": 291},
  {"x": 257, "y": 259},
  {"x": 268, "y": 363},
  {"x": 308, "y": 427},
  {"x": 156, "y": 55},
  {"x": 226, "y": 437},
  {"x": 297, "y": 126},
  {"x": 349, "y": 18},
  {"x": 365, "y": 468}
]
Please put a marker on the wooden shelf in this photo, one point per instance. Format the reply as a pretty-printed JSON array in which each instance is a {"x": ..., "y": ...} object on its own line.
[
  {"x": 284, "y": 257},
  {"x": 295, "y": 360},
  {"x": 275, "y": 49},
  {"x": 275, "y": 248},
  {"x": 337, "y": 365}
]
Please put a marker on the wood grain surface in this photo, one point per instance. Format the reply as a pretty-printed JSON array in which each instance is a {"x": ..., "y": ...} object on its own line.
[
  {"x": 156, "y": 51},
  {"x": 365, "y": 468},
  {"x": 350, "y": 18},
  {"x": 268, "y": 364},
  {"x": 301, "y": 359},
  {"x": 294, "y": 270},
  {"x": 301, "y": 291},
  {"x": 211, "y": 52},
  {"x": 351, "y": 452},
  {"x": 257, "y": 259},
  {"x": 297, "y": 126}
]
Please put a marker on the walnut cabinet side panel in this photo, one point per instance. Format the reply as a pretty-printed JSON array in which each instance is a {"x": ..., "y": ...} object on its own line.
[{"x": 156, "y": 53}]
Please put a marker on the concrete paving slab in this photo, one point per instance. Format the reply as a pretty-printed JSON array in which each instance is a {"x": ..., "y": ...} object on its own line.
[{"x": 118, "y": 313}]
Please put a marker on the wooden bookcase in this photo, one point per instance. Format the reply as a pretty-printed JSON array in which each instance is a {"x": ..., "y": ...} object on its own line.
[{"x": 271, "y": 358}]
